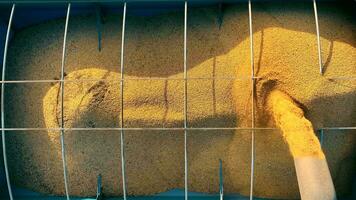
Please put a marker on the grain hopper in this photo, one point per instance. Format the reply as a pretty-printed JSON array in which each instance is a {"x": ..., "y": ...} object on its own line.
[{"x": 178, "y": 99}]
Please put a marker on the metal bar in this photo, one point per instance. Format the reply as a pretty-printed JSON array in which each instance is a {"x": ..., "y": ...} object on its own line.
[
  {"x": 138, "y": 129},
  {"x": 98, "y": 25},
  {"x": 185, "y": 103},
  {"x": 62, "y": 104},
  {"x": 151, "y": 78},
  {"x": 84, "y": 1},
  {"x": 252, "y": 101},
  {"x": 163, "y": 129},
  {"x": 99, "y": 194},
  {"x": 318, "y": 37},
  {"x": 221, "y": 180},
  {"x": 129, "y": 79},
  {"x": 117, "y": 1},
  {"x": 122, "y": 103},
  {"x": 2, "y": 103},
  {"x": 338, "y": 128},
  {"x": 59, "y": 1},
  {"x": 321, "y": 137}
]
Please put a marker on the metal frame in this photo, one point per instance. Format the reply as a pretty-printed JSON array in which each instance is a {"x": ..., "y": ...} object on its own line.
[
  {"x": 2, "y": 103},
  {"x": 121, "y": 79},
  {"x": 252, "y": 100},
  {"x": 98, "y": 13},
  {"x": 221, "y": 181},
  {"x": 185, "y": 103},
  {"x": 122, "y": 143},
  {"x": 151, "y": 78},
  {"x": 318, "y": 37},
  {"x": 121, "y": 1},
  {"x": 65, "y": 176},
  {"x": 321, "y": 138},
  {"x": 164, "y": 129}
]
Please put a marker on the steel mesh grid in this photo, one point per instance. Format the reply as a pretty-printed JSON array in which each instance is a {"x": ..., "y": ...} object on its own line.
[{"x": 122, "y": 128}]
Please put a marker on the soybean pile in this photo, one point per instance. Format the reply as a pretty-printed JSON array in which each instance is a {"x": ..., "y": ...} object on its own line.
[{"x": 218, "y": 95}]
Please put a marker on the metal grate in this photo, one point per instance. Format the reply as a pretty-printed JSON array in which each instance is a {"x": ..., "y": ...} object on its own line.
[{"x": 122, "y": 79}]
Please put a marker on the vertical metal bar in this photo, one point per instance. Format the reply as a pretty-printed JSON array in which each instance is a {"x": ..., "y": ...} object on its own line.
[
  {"x": 221, "y": 181},
  {"x": 321, "y": 137},
  {"x": 252, "y": 101},
  {"x": 185, "y": 103},
  {"x": 318, "y": 37},
  {"x": 99, "y": 195},
  {"x": 62, "y": 104},
  {"x": 122, "y": 103},
  {"x": 2, "y": 103},
  {"x": 98, "y": 25}
]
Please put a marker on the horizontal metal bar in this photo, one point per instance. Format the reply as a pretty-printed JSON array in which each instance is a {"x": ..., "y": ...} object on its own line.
[
  {"x": 150, "y": 78},
  {"x": 133, "y": 1},
  {"x": 338, "y": 128},
  {"x": 133, "y": 129},
  {"x": 162, "y": 129},
  {"x": 100, "y": 1},
  {"x": 126, "y": 79}
]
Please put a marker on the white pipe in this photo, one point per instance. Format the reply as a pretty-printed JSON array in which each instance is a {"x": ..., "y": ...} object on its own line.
[{"x": 314, "y": 179}]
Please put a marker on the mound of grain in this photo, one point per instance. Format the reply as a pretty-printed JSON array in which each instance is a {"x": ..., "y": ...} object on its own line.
[{"x": 285, "y": 59}]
